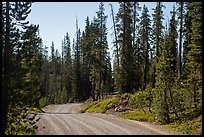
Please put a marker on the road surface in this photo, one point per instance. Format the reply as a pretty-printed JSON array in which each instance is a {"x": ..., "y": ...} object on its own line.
[{"x": 65, "y": 120}]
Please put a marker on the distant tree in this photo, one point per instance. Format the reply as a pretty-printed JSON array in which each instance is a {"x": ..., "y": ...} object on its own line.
[
  {"x": 68, "y": 67},
  {"x": 76, "y": 84}
]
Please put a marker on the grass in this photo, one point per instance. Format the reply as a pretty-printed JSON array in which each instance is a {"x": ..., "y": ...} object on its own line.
[
  {"x": 189, "y": 123},
  {"x": 190, "y": 127},
  {"x": 100, "y": 106},
  {"x": 139, "y": 115}
]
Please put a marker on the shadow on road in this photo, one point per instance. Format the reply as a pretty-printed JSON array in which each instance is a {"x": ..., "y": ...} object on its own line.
[{"x": 54, "y": 113}]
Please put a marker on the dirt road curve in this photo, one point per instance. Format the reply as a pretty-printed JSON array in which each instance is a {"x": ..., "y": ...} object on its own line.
[{"x": 65, "y": 120}]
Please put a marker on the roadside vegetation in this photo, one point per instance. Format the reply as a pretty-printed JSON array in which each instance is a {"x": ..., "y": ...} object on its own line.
[
  {"x": 18, "y": 126},
  {"x": 155, "y": 68},
  {"x": 128, "y": 106}
]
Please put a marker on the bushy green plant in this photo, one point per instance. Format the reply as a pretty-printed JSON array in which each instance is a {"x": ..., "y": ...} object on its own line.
[
  {"x": 43, "y": 102},
  {"x": 18, "y": 127},
  {"x": 139, "y": 115},
  {"x": 191, "y": 127},
  {"x": 100, "y": 106}
]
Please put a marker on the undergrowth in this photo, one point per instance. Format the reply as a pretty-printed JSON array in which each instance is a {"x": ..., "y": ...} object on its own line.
[
  {"x": 18, "y": 127},
  {"x": 189, "y": 123}
]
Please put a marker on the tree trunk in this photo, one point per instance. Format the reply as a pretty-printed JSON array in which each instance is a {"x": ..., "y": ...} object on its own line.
[
  {"x": 116, "y": 41},
  {"x": 6, "y": 69},
  {"x": 165, "y": 108},
  {"x": 180, "y": 39}
]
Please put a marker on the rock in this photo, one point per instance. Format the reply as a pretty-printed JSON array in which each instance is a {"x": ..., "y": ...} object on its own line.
[
  {"x": 35, "y": 127},
  {"x": 118, "y": 109},
  {"x": 38, "y": 119}
]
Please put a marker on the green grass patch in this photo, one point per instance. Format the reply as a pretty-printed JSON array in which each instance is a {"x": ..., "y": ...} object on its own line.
[
  {"x": 139, "y": 115},
  {"x": 191, "y": 127},
  {"x": 100, "y": 106},
  {"x": 189, "y": 121}
]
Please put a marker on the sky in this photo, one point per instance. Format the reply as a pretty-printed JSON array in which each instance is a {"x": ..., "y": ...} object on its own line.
[{"x": 57, "y": 18}]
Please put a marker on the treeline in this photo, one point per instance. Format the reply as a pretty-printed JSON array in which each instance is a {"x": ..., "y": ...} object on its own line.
[
  {"x": 32, "y": 79},
  {"x": 85, "y": 72},
  {"x": 21, "y": 67},
  {"x": 162, "y": 62}
]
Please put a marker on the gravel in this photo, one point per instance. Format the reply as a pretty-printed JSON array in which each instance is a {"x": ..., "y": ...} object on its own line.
[{"x": 65, "y": 120}]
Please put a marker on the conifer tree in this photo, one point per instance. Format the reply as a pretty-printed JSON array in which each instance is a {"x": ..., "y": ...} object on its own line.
[
  {"x": 194, "y": 55},
  {"x": 145, "y": 43},
  {"x": 157, "y": 34},
  {"x": 68, "y": 67},
  {"x": 161, "y": 104},
  {"x": 12, "y": 14},
  {"x": 180, "y": 16},
  {"x": 124, "y": 27}
]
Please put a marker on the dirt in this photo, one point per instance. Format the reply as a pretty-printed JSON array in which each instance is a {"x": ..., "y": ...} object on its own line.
[{"x": 65, "y": 119}]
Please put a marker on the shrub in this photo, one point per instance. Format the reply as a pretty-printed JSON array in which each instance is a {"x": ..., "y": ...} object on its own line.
[
  {"x": 139, "y": 115},
  {"x": 43, "y": 102}
]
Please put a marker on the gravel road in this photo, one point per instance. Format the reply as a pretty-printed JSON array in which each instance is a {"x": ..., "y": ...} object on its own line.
[{"x": 65, "y": 120}]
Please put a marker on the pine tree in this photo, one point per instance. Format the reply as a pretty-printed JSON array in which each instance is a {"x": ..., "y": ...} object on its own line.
[
  {"x": 12, "y": 14},
  {"x": 173, "y": 35},
  {"x": 31, "y": 66},
  {"x": 124, "y": 27},
  {"x": 145, "y": 43},
  {"x": 187, "y": 39},
  {"x": 68, "y": 67},
  {"x": 116, "y": 67},
  {"x": 46, "y": 71},
  {"x": 194, "y": 55},
  {"x": 180, "y": 16},
  {"x": 102, "y": 49},
  {"x": 86, "y": 61},
  {"x": 136, "y": 46},
  {"x": 157, "y": 33},
  {"x": 76, "y": 68},
  {"x": 162, "y": 82}
]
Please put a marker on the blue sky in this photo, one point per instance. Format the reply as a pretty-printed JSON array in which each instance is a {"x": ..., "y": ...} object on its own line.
[{"x": 57, "y": 18}]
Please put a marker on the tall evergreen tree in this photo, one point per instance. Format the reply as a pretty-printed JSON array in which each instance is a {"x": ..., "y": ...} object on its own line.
[
  {"x": 194, "y": 55},
  {"x": 163, "y": 76},
  {"x": 31, "y": 66},
  {"x": 12, "y": 14},
  {"x": 180, "y": 16},
  {"x": 68, "y": 67},
  {"x": 76, "y": 68},
  {"x": 145, "y": 43},
  {"x": 86, "y": 61},
  {"x": 125, "y": 19},
  {"x": 157, "y": 34}
]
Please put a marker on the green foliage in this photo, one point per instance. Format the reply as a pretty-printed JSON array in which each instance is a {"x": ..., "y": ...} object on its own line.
[
  {"x": 138, "y": 100},
  {"x": 100, "y": 106},
  {"x": 18, "y": 127},
  {"x": 190, "y": 121},
  {"x": 191, "y": 127},
  {"x": 124, "y": 27},
  {"x": 139, "y": 115},
  {"x": 43, "y": 102}
]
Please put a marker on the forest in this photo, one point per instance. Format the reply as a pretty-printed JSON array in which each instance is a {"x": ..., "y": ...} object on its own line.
[{"x": 163, "y": 63}]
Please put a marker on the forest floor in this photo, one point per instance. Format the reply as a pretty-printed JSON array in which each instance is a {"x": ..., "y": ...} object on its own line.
[{"x": 65, "y": 119}]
